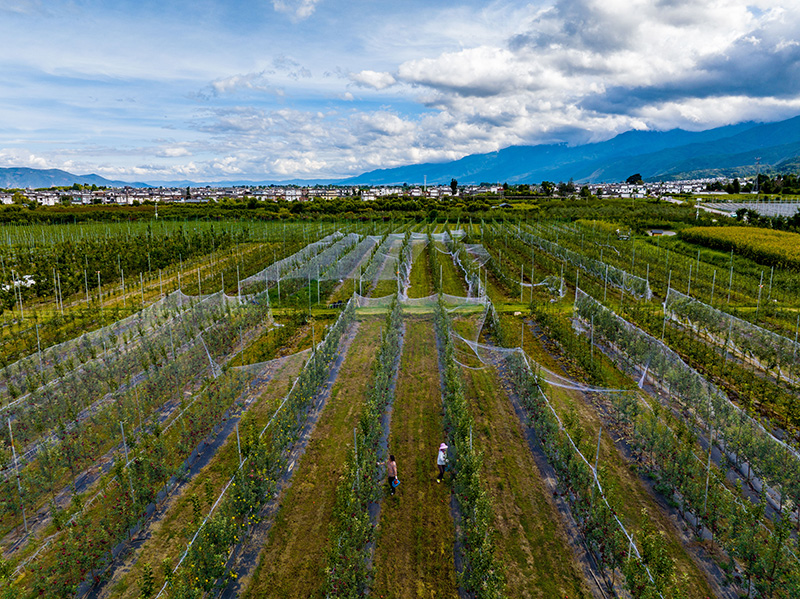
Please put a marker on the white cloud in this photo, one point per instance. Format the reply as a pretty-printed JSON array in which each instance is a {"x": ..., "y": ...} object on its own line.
[
  {"x": 23, "y": 158},
  {"x": 364, "y": 85},
  {"x": 373, "y": 79},
  {"x": 173, "y": 152},
  {"x": 296, "y": 9}
]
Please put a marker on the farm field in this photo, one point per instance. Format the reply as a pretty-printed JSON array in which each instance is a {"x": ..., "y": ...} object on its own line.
[{"x": 214, "y": 417}]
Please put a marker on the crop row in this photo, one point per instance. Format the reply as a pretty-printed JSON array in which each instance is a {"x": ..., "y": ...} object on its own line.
[
  {"x": 203, "y": 562},
  {"x": 352, "y": 530},
  {"x": 744, "y": 338},
  {"x": 482, "y": 576},
  {"x": 736, "y": 433},
  {"x": 765, "y": 551},
  {"x": 139, "y": 477},
  {"x": 79, "y": 440}
]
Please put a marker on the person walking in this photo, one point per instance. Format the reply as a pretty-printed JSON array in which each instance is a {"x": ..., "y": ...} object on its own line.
[
  {"x": 441, "y": 461},
  {"x": 391, "y": 473}
]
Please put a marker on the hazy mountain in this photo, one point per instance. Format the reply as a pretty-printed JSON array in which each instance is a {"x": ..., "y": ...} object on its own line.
[
  {"x": 34, "y": 178},
  {"x": 658, "y": 155},
  {"x": 668, "y": 155}
]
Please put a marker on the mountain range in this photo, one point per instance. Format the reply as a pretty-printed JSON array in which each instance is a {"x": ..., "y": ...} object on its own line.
[
  {"x": 33, "y": 178},
  {"x": 732, "y": 150},
  {"x": 658, "y": 156}
]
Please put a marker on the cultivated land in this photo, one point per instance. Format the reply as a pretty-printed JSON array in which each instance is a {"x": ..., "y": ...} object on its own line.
[
  {"x": 414, "y": 552},
  {"x": 236, "y": 441}
]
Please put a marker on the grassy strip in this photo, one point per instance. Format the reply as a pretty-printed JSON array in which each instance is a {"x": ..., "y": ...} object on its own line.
[
  {"x": 414, "y": 549},
  {"x": 499, "y": 268},
  {"x": 292, "y": 563},
  {"x": 256, "y": 479},
  {"x": 351, "y": 527},
  {"x": 531, "y": 542},
  {"x": 482, "y": 577},
  {"x": 451, "y": 280},
  {"x": 421, "y": 280}
]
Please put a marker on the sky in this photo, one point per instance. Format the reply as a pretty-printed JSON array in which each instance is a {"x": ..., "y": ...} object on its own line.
[{"x": 219, "y": 90}]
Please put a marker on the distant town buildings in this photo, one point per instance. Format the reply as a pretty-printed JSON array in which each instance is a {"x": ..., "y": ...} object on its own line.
[{"x": 292, "y": 193}]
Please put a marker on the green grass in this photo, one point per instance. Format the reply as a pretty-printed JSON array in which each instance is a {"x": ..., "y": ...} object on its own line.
[
  {"x": 421, "y": 283},
  {"x": 414, "y": 552},
  {"x": 292, "y": 562}
]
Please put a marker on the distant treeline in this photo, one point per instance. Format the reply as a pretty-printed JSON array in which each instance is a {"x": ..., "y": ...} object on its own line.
[
  {"x": 637, "y": 215},
  {"x": 788, "y": 184}
]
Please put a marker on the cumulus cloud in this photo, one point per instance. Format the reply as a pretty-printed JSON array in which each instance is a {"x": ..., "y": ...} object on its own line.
[
  {"x": 386, "y": 89},
  {"x": 482, "y": 71},
  {"x": 23, "y": 158},
  {"x": 373, "y": 79},
  {"x": 588, "y": 69}
]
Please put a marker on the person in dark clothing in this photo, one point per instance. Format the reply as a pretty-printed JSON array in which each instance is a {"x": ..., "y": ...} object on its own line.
[{"x": 391, "y": 474}]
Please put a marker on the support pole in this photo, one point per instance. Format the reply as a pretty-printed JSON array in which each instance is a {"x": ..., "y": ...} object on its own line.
[{"x": 16, "y": 468}]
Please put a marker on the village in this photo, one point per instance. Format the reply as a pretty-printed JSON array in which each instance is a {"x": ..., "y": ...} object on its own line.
[{"x": 86, "y": 195}]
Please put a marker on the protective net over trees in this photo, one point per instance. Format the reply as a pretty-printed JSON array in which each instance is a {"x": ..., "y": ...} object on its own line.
[
  {"x": 631, "y": 284},
  {"x": 742, "y": 438},
  {"x": 744, "y": 339}
]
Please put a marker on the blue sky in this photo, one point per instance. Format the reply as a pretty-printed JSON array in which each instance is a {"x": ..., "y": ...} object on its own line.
[{"x": 215, "y": 90}]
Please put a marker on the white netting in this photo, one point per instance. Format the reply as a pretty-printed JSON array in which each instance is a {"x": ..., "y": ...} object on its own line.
[
  {"x": 516, "y": 359},
  {"x": 446, "y": 236},
  {"x": 152, "y": 365},
  {"x": 149, "y": 327},
  {"x": 478, "y": 253},
  {"x": 261, "y": 370},
  {"x": 279, "y": 269},
  {"x": 469, "y": 267},
  {"x": 764, "y": 348},
  {"x": 315, "y": 267},
  {"x": 631, "y": 284},
  {"x": 554, "y": 284},
  {"x": 373, "y": 302},
  {"x": 375, "y": 268},
  {"x": 738, "y": 435}
]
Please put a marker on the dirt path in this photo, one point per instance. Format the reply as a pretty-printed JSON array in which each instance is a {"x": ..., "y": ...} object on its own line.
[
  {"x": 414, "y": 552},
  {"x": 531, "y": 540},
  {"x": 293, "y": 559}
]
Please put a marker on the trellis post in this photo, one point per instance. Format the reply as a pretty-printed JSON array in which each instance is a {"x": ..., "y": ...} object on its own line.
[{"x": 19, "y": 484}]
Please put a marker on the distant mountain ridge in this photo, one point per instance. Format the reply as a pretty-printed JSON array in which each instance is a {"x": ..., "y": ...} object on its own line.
[
  {"x": 668, "y": 155},
  {"x": 22, "y": 177},
  {"x": 731, "y": 151}
]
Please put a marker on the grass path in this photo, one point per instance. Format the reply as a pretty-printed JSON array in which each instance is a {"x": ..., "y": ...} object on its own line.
[
  {"x": 421, "y": 283},
  {"x": 414, "y": 552},
  {"x": 292, "y": 562},
  {"x": 452, "y": 278},
  {"x": 531, "y": 541}
]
